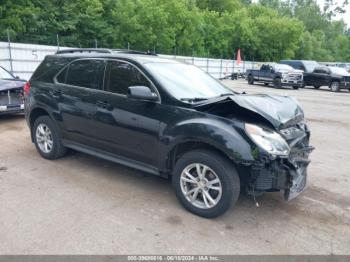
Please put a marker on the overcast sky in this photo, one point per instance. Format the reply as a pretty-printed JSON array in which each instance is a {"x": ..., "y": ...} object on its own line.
[{"x": 345, "y": 16}]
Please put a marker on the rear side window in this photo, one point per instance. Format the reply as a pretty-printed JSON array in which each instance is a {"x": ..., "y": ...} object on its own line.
[
  {"x": 84, "y": 73},
  {"x": 48, "y": 69},
  {"x": 62, "y": 77},
  {"x": 120, "y": 76}
]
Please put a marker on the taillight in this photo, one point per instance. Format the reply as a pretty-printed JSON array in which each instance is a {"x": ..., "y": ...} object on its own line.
[{"x": 26, "y": 88}]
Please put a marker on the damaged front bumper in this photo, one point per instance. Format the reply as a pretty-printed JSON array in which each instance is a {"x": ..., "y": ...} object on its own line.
[{"x": 284, "y": 174}]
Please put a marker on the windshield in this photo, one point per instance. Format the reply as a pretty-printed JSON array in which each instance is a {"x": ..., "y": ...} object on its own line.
[
  {"x": 280, "y": 67},
  {"x": 4, "y": 74},
  {"x": 186, "y": 82},
  {"x": 339, "y": 71}
]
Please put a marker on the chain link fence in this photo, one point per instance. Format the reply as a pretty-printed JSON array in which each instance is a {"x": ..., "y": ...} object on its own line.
[{"x": 22, "y": 58}]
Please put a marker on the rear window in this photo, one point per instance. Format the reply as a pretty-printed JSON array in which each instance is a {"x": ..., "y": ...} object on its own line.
[{"x": 47, "y": 70}]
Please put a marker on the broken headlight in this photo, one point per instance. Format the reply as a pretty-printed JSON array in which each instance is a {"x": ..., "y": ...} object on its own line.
[{"x": 269, "y": 140}]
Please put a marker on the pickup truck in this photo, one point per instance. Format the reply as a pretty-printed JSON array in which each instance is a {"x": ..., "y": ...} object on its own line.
[
  {"x": 277, "y": 74},
  {"x": 335, "y": 78}
]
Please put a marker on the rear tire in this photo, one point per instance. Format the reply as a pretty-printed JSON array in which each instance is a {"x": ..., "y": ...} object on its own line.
[
  {"x": 295, "y": 87},
  {"x": 47, "y": 138},
  {"x": 316, "y": 87},
  {"x": 335, "y": 86},
  {"x": 266, "y": 84},
  {"x": 193, "y": 180},
  {"x": 250, "y": 80},
  {"x": 277, "y": 83}
]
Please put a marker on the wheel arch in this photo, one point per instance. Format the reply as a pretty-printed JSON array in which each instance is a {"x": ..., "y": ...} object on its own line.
[
  {"x": 34, "y": 115},
  {"x": 188, "y": 145}
]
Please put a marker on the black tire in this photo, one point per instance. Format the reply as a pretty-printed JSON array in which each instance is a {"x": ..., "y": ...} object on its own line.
[
  {"x": 295, "y": 87},
  {"x": 335, "y": 86},
  {"x": 266, "y": 84},
  {"x": 57, "y": 149},
  {"x": 224, "y": 170},
  {"x": 316, "y": 87},
  {"x": 277, "y": 83},
  {"x": 250, "y": 80}
]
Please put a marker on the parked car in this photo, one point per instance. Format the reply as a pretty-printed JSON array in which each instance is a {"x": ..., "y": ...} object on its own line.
[
  {"x": 11, "y": 93},
  {"x": 307, "y": 66},
  {"x": 277, "y": 74},
  {"x": 335, "y": 78},
  {"x": 346, "y": 66},
  {"x": 169, "y": 119}
]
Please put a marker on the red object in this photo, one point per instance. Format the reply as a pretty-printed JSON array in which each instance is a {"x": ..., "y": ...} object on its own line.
[
  {"x": 26, "y": 88},
  {"x": 238, "y": 57}
]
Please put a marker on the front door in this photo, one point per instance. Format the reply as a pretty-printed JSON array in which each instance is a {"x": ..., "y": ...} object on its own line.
[{"x": 124, "y": 126}]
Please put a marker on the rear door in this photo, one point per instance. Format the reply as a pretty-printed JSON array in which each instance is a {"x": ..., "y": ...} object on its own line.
[{"x": 78, "y": 85}]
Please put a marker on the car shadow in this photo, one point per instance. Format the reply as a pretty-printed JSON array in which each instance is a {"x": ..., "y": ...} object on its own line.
[{"x": 11, "y": 117}]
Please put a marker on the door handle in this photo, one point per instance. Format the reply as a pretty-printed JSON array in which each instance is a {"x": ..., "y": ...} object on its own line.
[
  {"x": 104, "y": 105},
  {"x": 55, "y": 93}
]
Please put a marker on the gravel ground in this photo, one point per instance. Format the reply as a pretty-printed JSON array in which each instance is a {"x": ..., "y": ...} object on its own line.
[{"x": 83, "y": 205}]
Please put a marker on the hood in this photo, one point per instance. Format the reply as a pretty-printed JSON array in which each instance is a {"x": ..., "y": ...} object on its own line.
[
  {"x": 279, "y": 111},
  {"x": 291, "y": 71},
  {"x": 10, "y": 84}
]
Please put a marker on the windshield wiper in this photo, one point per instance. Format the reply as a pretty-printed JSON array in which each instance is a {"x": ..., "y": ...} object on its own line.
[
  {"x": 194, "y": 99},
  {"x": 225, "y": 94}
]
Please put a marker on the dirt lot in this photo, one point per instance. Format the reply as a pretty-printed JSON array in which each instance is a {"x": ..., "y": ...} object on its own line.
[{"x": 84, "y": 205}]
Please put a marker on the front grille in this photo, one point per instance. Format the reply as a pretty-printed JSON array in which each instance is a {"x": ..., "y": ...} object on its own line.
[
  {"x": 294, "y": 77},
  {"x": 11, "y": 97}
]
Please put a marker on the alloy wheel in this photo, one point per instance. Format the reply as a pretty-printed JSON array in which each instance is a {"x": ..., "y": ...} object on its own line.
[
  {"x": 201, "y": 186},
  {"x": 44, "y": 138}
]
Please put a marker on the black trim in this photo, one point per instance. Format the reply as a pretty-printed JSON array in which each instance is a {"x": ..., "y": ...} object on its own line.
[{"x": 111, "y": 157}]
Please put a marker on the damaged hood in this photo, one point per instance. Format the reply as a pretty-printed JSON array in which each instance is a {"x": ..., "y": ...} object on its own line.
[
  {"x": 10, "y": 84},
  {"x": 280, "y": 111}
]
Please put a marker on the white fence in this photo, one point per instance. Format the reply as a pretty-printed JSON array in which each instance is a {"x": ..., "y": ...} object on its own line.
[{"x": 23, "y": 59}]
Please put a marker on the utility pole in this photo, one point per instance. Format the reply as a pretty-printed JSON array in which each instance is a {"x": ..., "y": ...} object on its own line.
[
  {"x": 10, "y": 51},
  {"x": 58, "y": 41}
]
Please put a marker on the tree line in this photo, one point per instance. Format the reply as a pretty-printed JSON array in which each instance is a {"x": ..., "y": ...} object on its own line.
[{"x": 267, "y": 31}]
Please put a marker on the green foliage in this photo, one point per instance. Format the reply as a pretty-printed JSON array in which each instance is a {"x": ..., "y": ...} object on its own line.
[{"x": 270, "y": 30}]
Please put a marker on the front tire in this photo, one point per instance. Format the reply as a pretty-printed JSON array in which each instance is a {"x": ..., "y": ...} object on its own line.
[
  {"x": 277, "y": 83},
  {"x": 205, "y": 183},
  {"x": 250, "y": 80},
  {"x": 316, "y": 87},
  {"x": 295, "y": 87},
  {"x": 335, "y": 86},
  {"x": 47, "y": 139}
]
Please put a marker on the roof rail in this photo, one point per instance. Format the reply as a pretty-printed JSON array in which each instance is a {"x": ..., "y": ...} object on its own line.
[
  {"x": 127, "y": 51},
  {"x": 84, "y": 50}
]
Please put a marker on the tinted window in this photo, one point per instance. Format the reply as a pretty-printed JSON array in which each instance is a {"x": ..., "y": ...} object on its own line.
[
  {"x": 47, "y": 70},
  {"x": 61, "y": 78},
  {"x": 86, "y": 73},
  {"x": 120, "y": 76},
  {"x": 321, "y": 70}
]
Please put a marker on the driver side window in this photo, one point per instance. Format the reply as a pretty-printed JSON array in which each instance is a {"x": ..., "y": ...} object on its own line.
[{"x": 120, "y": 76}]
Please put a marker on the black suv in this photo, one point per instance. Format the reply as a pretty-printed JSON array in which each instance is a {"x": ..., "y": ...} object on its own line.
[{"x": 169, "y": 119}]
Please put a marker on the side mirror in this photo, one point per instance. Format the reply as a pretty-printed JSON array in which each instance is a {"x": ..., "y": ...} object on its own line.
[
  {"x": 272, "y": 70},
  {"x": 142, "y": 93},
  {"x": 17, "y": 77}
]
